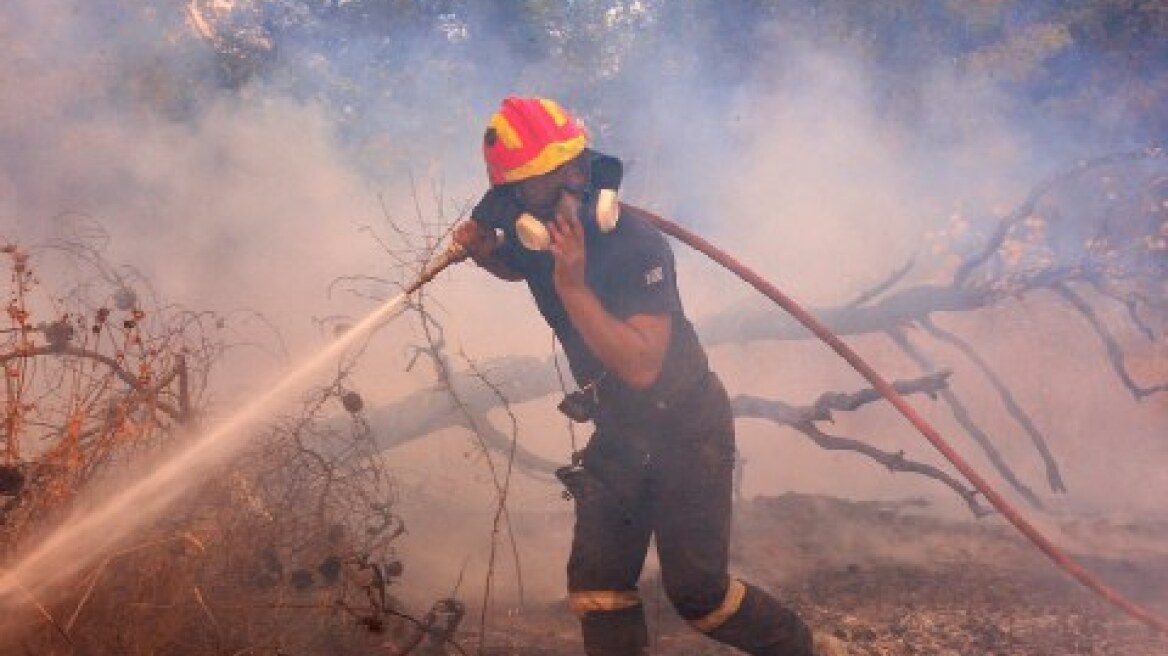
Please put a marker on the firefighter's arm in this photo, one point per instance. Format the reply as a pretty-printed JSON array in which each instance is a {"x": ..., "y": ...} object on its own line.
[
  {"x": 481, "y": 236},
  {"x": 632, "y": 349},
  {"x": 482, "y": 244}
]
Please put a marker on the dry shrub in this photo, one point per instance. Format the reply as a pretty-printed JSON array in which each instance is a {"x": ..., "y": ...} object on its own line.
[{"x": 289, "y": 549}]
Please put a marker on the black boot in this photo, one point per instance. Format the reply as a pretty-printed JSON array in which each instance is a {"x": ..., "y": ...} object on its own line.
[
  {"x": 764, "y": 627},
  {"x": 615, "y": 633}
]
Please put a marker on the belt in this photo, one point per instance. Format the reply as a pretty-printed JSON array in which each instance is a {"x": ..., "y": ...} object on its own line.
[{"x": 618, "y": 398}]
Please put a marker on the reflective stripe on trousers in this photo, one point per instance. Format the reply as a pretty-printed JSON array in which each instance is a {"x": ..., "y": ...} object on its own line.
[
  {"x": 590, "y": 601},
  {"x": 735, "y": 593}
]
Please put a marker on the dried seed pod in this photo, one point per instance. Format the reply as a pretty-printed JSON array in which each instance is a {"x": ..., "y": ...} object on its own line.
[
  {"x": 352, "y": 402},
  {"x": 58, "y": 334},
  {"x": 11, "y": 480},
  {"x": 394, "y": 568}
]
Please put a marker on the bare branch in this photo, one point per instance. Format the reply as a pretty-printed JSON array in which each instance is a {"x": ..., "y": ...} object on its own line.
[
  {"x": 965, "y": 420},
  {"x": 1041, "y": 189},
  {"x": 802, "y": 419},
  {"x": 1114, "y": 351},
  {"x": 1053, "y": 476},
  {"x": 888, "y": 284}
]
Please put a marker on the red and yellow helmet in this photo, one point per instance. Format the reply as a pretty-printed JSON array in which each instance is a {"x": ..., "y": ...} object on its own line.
[{"x": 529, "y": 137}]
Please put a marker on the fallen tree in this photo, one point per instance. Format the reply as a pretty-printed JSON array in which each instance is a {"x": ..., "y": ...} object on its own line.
[{"x": 1112, "y": 248}]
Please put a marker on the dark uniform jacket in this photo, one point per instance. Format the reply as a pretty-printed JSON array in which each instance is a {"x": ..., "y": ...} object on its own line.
[{"x": 631, "y": 270}]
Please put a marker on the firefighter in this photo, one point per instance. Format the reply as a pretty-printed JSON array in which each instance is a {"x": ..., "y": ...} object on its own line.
[{"x": 660, "y": 462}]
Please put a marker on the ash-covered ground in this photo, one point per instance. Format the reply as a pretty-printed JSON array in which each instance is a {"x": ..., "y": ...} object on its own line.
[{"x": 888, "y": 579}]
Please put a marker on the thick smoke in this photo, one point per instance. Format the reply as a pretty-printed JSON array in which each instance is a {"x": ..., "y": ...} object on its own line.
[{"x": 235, "y": 155}]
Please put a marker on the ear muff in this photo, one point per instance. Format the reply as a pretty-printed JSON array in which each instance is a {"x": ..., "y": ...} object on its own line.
[
  {"x": 532, "y": 233},
  {"x": 607, "y": 172},
  {"x": 607, "y": 210}
]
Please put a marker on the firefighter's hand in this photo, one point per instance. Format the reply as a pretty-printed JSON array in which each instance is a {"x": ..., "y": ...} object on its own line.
[
  {"x": 480, "y": 242},
  {"x": 568, "y": 247}
]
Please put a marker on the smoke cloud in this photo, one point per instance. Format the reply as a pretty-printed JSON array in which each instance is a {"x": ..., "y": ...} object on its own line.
[{"x": 244, "y": 156}]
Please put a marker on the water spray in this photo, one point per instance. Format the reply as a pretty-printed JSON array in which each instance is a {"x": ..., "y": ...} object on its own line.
[{"x": 83, "y": 539}]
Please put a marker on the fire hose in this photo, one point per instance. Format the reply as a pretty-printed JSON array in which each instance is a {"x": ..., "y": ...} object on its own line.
[
  {"x": 892, "y": 396},
  {"x": 455, "y": 254}
]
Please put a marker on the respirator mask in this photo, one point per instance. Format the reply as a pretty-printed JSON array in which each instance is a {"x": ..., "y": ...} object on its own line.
[{"x": 600, "y": 206}]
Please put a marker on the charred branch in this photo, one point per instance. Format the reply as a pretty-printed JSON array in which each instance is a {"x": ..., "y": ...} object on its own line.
[
  {"x": 114, "y": 367},
  {"x": 965, "y": 420},
  {"x": 888, "y": 284},
  {"x": 803, "y": 420},
  {"x": 1053, "y": 476},
  {"x": 1026, "y": 209},
  {"x": 929, "y": 385},
  {"x": 1110, "y": 343},
  {"x": 427, "y": 411},
  {"x": 895, "y": 309}
]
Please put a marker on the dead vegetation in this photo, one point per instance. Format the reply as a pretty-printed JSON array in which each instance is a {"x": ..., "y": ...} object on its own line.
[{"x": 290, "y": 548}]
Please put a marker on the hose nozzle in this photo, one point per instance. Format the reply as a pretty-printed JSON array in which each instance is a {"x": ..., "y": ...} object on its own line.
[{"x": 453, "y": 254}]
